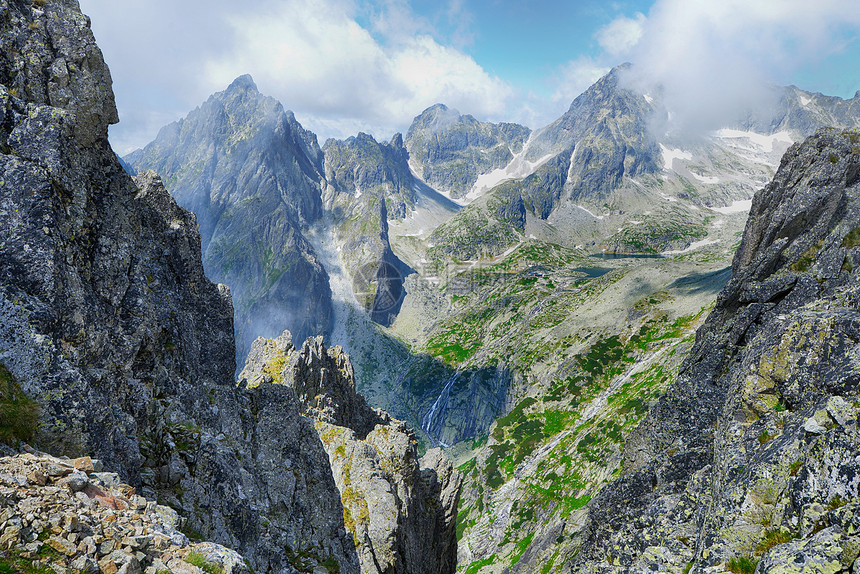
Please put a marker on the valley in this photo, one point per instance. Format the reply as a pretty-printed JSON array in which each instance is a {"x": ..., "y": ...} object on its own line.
[
  {"x": 522, "y": 299},
  {"x": 603, "y": 345}
]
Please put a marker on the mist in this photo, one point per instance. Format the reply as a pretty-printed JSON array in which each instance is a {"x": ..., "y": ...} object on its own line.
[{"x": 712, "y": 61}]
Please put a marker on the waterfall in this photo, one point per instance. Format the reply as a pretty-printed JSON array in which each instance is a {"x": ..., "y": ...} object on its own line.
[{"x": 435, "y": 416}]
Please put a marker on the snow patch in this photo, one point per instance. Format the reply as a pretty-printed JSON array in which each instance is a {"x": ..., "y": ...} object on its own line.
[
  {"x": 667, "y": 198},
  {"x": 518, "y": 168},
  {"x": 740, "y": 206},
  {"x": 670, "y": 155},
  {"x": 804, "y": 101},
  {"x": 763, "y": 142},
  {"x": 705, "y": 179},
  {"x": 589, "y": 213},
  {"x": 570, "y": 167},
  {"x": 648, "y": 98},
  {"x": 693, "y": 246}
]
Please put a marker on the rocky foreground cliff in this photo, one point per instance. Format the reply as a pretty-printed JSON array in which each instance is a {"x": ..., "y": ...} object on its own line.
[
  {"x": 401, "y": 511},
  {"x": 750, "y": 459},
  {"x": 109, "y": 325},
  {"x": 69, "y": 516}
]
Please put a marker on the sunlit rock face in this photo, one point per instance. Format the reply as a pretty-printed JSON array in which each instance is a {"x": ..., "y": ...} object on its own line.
[
  {"x": 400, "y": 509},
  {"x": 253, "y": 177}
]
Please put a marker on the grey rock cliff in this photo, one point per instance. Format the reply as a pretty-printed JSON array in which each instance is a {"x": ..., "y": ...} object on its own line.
[
  {"x": 367, "y": 184},
  {"x": 601, "y": 139},
  {"x": 252, "y": 175},
  {"x": 108, "y": 322},
  {"x": 752, "y": 452},
  {"x": 322, "y": 378},
  {"x": 450, "y": 151},
  {"x": 401, "y": 511}
]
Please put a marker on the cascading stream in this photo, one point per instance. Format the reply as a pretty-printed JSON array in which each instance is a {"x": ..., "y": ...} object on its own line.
[{"x": 436, "y": 415}]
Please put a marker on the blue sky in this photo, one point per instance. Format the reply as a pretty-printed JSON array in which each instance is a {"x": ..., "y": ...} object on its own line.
[{"x": 372, "y": 65}]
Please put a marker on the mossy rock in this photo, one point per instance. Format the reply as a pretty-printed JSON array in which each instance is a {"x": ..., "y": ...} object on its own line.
[{"x": 19, "y": 414}]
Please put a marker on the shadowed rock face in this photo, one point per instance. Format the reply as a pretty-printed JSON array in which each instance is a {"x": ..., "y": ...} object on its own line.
[
  {"x": 367, "y": 184},
  {"x": 401, "y": 511},
  {"x": 760, "y": 430},
  {"x": 253, "y": 176},
  {"x": 107, "y": 319}
]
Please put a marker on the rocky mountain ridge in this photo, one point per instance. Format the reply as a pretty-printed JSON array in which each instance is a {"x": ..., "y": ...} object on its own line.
[
  {"x": 509, "y": 314},
  {"x": 450, "y": 151},
  {"x": 110, "y": 326},
  {"x": 750, "y": 455},
  {"x": 400, "y": 510},
  {"x": 252, "y": 176},
  {"x": 368, "y": 184}
]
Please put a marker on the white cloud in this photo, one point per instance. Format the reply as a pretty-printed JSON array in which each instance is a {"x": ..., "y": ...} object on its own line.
[
  {"x": 323, "y": 64},
  {"x": 395, "y": 21},
  {"x": 311, "y": 55},
  {"x": 576, "y": 76},
  {"x": 620, "y": 35},
  {"x": 166, "y": 57},
  {"x": 713, "y": 58}
]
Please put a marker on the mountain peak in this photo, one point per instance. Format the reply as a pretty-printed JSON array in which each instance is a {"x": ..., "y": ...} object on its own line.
[
  {"x": 243, "y": 82},
  {"x": 437, "y": 118},
  {"x": 436, "y": 107}
]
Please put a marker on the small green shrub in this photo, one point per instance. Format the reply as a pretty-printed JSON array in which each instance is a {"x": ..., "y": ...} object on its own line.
[
  {"x": 764, "y": 437},
  {"x": 780, "y": 407},
  {"x": 476, "y": 566},
  {"x": 29, "y": 567},
  {"x": 773, "y": 538},
  {"x": 806, "y": 260},
  {"x": 795, "y": 467},
  {"x": 742, "y": 565},
  {"x": 193, "y": 534},
  {"x": 852, "y": 239},
  {"x": 18, "y": 413},
  {"x": 332, "y": 565},
  {"x": 197, "y": 559},
  {"x": 836, "y": 502},
  {"x": 834, "y": 158}
]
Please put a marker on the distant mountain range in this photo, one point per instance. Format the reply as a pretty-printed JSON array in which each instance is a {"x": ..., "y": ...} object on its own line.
[
  {"x": 297, "y": 231},
  {"x": 638, "y": 347}
]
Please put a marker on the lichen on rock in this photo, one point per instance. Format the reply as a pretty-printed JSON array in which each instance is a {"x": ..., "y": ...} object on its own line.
[
  {"x": 759, "y": 434},
  {"x": 400, "y": 510}
]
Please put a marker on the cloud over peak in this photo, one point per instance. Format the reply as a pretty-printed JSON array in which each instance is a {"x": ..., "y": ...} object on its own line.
[{"x": 712, "y": 59}]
